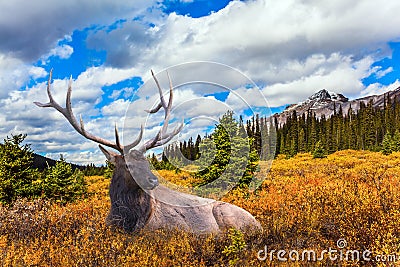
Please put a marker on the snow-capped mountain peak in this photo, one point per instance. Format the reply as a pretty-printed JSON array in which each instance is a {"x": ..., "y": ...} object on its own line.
[
  {"x": 317, "y": 100},
  {"x": 325, "y": 103},
  {"x": 320, "y": 96}
]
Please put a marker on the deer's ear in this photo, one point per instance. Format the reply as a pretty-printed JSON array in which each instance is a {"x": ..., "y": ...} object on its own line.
[{"x": 109, "y": 155}]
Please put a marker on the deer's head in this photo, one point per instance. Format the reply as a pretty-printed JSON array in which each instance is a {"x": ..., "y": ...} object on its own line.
[
  {"x": 133, "y": 167},
  {"x": 130, "y": 163}
]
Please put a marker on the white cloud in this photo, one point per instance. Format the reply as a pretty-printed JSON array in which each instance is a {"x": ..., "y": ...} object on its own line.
[
  {"x": 116, "y": 108},
  {"x": 62, "y": 51},
  {"x": 344, "y": 78},
  {"x": 14, "y": 74},
  {"x": 126, "y": 93},
  {"x": 42, "y": 23},
  {"x": 381, "y": 73},
  {"x": 244, "y": 98},
  {"x": 273, "y": 42},
  {"x": 377, "y": 88},
  {"x": 37, "y": 72},
  {"x": 286, "y": 40},
  {"x": 80, "y": 157}
]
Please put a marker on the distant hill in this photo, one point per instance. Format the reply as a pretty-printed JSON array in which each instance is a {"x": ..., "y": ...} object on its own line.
[{"x": 41, "y": 163}]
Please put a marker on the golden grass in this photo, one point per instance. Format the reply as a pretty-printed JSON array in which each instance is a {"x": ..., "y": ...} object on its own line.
[{"x": 303, "y": 203}]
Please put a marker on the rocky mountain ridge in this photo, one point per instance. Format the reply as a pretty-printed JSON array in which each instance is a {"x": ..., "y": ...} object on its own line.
[{"x": 324, "y": 102}]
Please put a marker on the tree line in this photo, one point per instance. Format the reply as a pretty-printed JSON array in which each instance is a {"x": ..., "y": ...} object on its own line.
[{"x": 370, "y": 127}]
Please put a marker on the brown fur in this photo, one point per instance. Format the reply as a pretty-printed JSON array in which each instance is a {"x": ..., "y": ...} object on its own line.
[{"x": 135, "y": 207}]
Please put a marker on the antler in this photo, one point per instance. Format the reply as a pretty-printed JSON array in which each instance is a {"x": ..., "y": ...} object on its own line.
[
  {"x": 162, "y": 136},
  {"x": 80, "y": 128}
]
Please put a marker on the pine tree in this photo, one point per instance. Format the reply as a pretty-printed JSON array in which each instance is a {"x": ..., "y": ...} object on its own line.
[
  {"x": 389, "y": 118},
  {"x": 63, "y": 184},
  {"x": 196, "y": 147},
  {"x": 154, "y": 163},
  {"x": 387, "y": 144},
  {"x": 396, "y": 112},
  {"x": 339, "y": 129},
  {"x": 257, "y": 135},
  {"x": 278, "y": 136},
  {"x": 294, "y": 134},
  {"x": 319, "y": 151},
  {"x": 233, "y": 161},
  {"x": 17, "y": 178},
  {"x": 396, "y": 141},
  {"x": 302, "y": 141},
  {"x": 369, "y": 127},
  {"x": 314, "y": 132}
]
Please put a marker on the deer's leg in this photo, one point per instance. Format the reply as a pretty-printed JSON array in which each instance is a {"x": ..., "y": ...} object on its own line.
[{"x": 230, "y": 216}]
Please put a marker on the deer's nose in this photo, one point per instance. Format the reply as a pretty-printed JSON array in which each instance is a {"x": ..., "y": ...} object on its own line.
[{"x": 153, "y": 180}]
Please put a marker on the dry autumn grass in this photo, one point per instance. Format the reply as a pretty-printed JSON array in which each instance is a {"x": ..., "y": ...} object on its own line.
[{"x": 304, "y": 203}]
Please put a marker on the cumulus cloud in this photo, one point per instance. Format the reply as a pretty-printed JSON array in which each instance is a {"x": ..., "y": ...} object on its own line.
[
  {"x": 344, "y": 78},
  {"x": 14, "y": 74},
  {"x": 135, "y": 33},
  {"x": 381, "y": 73},
  {"x": 40, "y": 24},
  {"x": 126, "y": 93},
  {"x": 80, "y": 157},
  {"x": 62, "y": 51},
  {"x": 271, "y": 41},
  {"x": 377, "y": 88}
]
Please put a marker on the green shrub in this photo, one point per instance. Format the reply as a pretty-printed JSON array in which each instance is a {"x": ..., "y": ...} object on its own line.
[
  {"x": 391, "y": 143},
  {"x": 109, "y": 169},
  {"x": 319, "y": 151},
  {"x": 17, "y": 178},
  {"x": 63, "y": 184},
  {"x": 237, "y": 245}
]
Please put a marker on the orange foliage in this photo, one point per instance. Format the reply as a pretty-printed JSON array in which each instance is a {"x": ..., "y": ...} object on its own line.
[{"x": 303, "y": 203}]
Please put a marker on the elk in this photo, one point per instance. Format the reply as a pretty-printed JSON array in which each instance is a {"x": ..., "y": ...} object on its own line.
[{"x": 135, "y": 191}]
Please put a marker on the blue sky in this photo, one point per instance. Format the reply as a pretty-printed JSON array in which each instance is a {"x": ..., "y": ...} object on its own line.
[{"x": 286, "y": 50}]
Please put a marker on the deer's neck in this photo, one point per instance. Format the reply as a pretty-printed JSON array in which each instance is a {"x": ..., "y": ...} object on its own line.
[{"x": 130, "y": 205}]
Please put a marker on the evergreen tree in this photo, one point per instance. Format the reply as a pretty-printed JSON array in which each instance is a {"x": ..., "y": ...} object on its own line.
[
  {"x": 278, "y": 136},
  {"x": 396, "y": 141},
  {"x": 319, "y": 150},
  {"x": 314, "y": 131},
  {"x": 387, "y": 144},
  {"x": 369, "y": 127},
  {"x": 17, "y": 178},
  {"x": 294, "y": 134},
  {"x": 257, "y": 135},
  {"x": 233, "y": 162},
  {"x": 196, "y": 147},
  {"x": 389, "y": 118},
  {"x": 63, "y": 184},
  {"x": 302, "y": 141},
  {"x": 154, "y": 163}
]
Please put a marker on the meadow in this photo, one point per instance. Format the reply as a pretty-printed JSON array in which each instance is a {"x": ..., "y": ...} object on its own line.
[{"x": 303, "y": 203}]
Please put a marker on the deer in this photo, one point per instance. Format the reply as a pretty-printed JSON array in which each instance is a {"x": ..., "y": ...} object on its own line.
[{"x": 138, "y": 200}]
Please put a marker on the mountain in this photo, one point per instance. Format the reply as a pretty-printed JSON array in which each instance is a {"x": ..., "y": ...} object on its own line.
[
  {"x": 324, "y": 103},
  {"x": 41, "y": 163}
]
